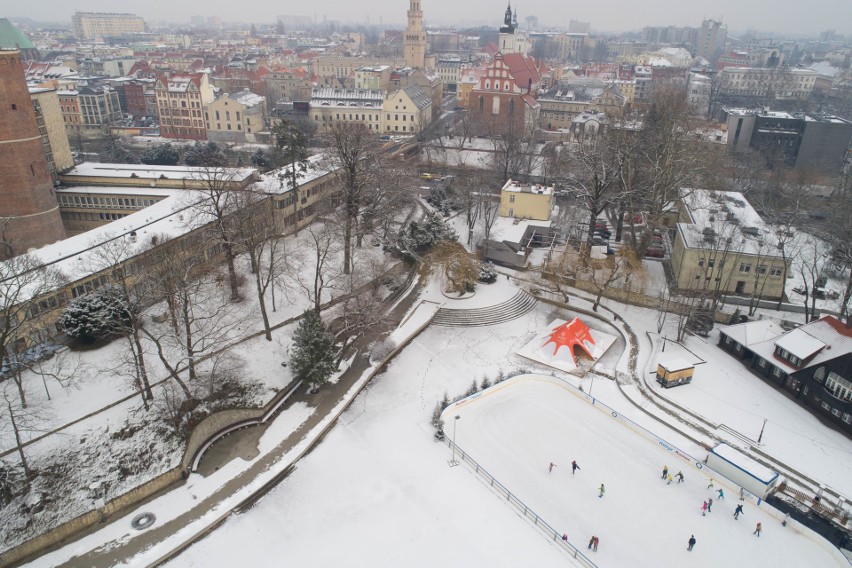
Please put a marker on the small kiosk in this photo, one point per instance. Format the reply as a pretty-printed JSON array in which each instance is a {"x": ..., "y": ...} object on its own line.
[{"x": 675, "y": 372}]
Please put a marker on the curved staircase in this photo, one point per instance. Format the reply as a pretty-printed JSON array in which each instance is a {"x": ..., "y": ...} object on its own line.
[{"x": 518, "y": 305}]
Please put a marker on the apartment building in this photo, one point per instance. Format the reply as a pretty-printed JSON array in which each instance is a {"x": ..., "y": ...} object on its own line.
[
  {"x": 407, "y": 111},
  {"x": 329, "y": 106},
  {"x": 235, "y": 117},
  {"x": 181, "y": 98}
]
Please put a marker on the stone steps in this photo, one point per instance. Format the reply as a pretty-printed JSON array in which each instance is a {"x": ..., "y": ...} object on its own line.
[{"x": 520, "y": 304}]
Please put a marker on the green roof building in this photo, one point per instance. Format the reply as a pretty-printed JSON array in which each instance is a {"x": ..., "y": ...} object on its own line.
[{"x": 12, "y": 38}]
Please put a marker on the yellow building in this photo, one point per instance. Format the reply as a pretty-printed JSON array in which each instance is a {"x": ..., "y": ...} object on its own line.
[
  {"x": 534, "y": 201},
  {"x": 469, "y": 79},
  {"x": 374, "y": 77},
  {"x": 722, "y": 246},
  {"x": 237, "y": 117},
  {"x": 406, "y": 111}
]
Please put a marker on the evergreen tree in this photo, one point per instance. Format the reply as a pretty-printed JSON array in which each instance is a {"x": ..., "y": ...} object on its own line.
[
  {"x": 160, "y": 155},
  {"x": 420, "y": 236},
  {"x": 260, "y": 159},
  {"x": 312, "y": 356},
  {"x": 96, "y": 315},
  {"x": 208, "y": 155}
]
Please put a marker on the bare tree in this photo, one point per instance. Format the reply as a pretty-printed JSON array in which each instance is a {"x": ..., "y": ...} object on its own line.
[
  {"x": 21, "y": 420},
  {"x": 201, "y": 320},
  {"x": 598, "y": 164},
  {"x": 115, "y": 255},
  {"x": 255, "y": 232},
  {"x": 459, "y": 269},
  {"x": 811, "y": 267},
  {"x": 28, "y": 292},
  {"x": 219, "y": 200},
  {"x": 311, "y": 268}
]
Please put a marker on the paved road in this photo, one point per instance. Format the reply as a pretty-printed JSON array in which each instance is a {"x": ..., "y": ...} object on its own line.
[{"x": 119, "y": 552}]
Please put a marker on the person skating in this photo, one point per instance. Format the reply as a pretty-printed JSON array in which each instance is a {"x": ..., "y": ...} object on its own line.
[
  {"x": 603, "y": 490},
  {"x": 742, "y": 494},
  {"x": 711, "y": 484},
  {"x": 721, "y": 494},
  {"x": 550, "y": 467},
  {"x": 738, "y": 511},
  {"x": 669, "y": 482},
  {"x": 710, "y": 505},
  {"x": 704, "y": 509},
  {"x": 574, "y": 466},
  {"x": 691, "y": 542},
  {"x": 757, "y": 530},
  {"x": 591, "y": 542},
  {"x": 665, "y": 471},
  {"x": 679, "y": 477},
  {"x": 595, "y": 544},
  {"x": 786, "y": 518}
]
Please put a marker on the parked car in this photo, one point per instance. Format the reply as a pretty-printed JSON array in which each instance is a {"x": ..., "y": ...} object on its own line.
[
  {"x": 426, "y": 175},
  {"x": 655, "y": 253}
]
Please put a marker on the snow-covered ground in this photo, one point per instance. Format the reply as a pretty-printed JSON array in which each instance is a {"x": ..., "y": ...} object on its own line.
[{"x": 380, "y": 487}]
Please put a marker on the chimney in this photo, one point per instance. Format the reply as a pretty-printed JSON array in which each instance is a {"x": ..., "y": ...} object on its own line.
[{"x": 529, "y": 85}]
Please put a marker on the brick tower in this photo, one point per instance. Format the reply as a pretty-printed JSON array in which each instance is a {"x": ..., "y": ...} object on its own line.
[{"x": 29, "y": 212}]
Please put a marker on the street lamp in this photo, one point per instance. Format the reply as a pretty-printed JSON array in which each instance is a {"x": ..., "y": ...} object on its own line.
[{"x": 453, "y": 462}]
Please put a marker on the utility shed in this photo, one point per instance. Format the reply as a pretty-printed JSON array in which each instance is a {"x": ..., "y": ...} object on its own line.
[
  {"x": 675, "y": 372},
  {"x": 743, "y": 470}
]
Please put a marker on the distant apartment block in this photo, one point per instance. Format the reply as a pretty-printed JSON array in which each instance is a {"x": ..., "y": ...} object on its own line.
[
  {"x": 761, "y": 82},
  {"x": 92, "y": 25}
]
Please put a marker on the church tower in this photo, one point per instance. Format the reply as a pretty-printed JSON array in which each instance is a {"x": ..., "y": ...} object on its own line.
[
  {"x": 29, "y": 212},
  {"x": 415, "y": 37},
  {"x": 511, "y": 39}
]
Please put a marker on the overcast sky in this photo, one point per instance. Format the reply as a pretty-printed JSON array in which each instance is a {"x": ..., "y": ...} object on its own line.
[{"x": 786, "y": 16}]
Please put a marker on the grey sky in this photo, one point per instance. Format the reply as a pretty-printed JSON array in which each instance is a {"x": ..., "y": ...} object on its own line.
[{"x": 788, "y": 16}]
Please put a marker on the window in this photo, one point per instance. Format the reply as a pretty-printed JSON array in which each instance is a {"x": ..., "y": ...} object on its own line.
[
  {"x": 745, "y": 267},
  {"x": 819, "y": 374},
  {"x": 761, "y": 269},
  {"x": 775, "y": 271},
  {"x": 711, "y": 262},
  {"x": 761, "y": 363},
  {"x": 847, "y": 418},
  {"x": 836, "y": 412},
  {"x": 700, "y": 262},
  {"x": 825, "y": 406},
  {"x": 511, "y": 199},
  {"x": 839, "y": 387},
  {"x": 727, "y": 340}
]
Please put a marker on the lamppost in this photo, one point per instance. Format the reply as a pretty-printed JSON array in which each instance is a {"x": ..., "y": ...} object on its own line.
[
  {"x": 759, "y": 438},
  {"x": 453, "y": 461}
]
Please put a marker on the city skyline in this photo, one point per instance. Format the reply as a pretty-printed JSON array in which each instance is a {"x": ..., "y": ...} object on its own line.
[{"x": 606, "y": 15}]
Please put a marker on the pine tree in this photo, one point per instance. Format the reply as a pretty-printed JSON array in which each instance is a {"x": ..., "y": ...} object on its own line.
[
  {"x": 312, "y": 355},
  {"x": 95, "y": 315}
]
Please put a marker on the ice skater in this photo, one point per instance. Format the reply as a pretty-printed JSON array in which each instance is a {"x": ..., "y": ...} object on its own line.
[
  {"x": 738, "y": 511},
  {"x": 550, "y": 467},
  {"x": 691, "y": 542},
  {"x": 721, "y": 494},
  {"x": 665, "y": 471},
  {"x": 742, "y": 494},
  {"x": 711, "y": 484},
  {"x": 710, "y": 505},
  {"x": 595, "y": 544},
  {"x": 757, "y": 530},
  {"x": 574, "y": 466},
  {"x": 704, "y": 509},
  {"x": 786, "y": 518},
  {"x": 603, "y": 490},
  {"x": 669, "y": 482},
  {"x": 591, "y": 542},
  {"x": 679, "y": 477}
]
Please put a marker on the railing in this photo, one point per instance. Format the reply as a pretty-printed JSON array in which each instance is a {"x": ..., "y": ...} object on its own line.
[{"x": 528, "y": 513}]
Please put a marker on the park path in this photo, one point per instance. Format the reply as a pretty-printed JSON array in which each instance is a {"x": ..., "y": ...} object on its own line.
[{"x": 109, "y": 551}]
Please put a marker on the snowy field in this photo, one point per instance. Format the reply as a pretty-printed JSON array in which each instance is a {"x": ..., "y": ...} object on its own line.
[{"x": 378, "y": 491}]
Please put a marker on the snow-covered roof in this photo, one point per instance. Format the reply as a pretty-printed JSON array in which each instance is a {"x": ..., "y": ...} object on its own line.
[
  {"x": 247, "y": 98},
  {"x": 827, "y": 330},
  {"x": 752, "y": 332},
  {"x": 513, "y": 186},
  {"x": 95, "y": 169},
  {"x": 747, "y": 464},
  {"x": 800, "y": 343},
  {"x": 512, "y": 230},
  {"x": 677, "y": 364},
  {"x": 279, "y": 181},
  {"x": 721, "y": 215}
]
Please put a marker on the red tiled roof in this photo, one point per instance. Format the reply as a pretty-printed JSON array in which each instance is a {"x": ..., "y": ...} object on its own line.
[{"x": 522, "y": 68}]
